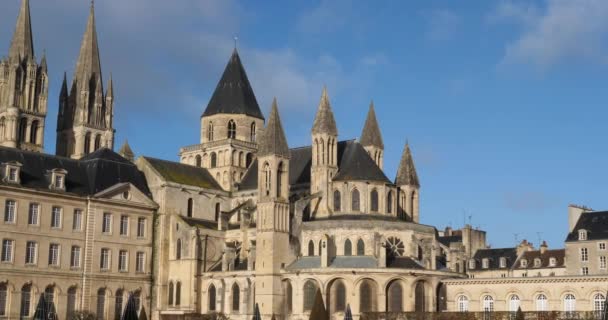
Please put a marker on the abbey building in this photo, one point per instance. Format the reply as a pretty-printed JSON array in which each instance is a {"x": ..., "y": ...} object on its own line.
[{"x": 242, "y": 219}]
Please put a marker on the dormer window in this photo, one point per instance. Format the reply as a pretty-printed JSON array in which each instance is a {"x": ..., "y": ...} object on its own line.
[
  {"x": 12, "y": 172},
  {"x": 472, "y": 264},
  {"x": 503, "y": 262},
  {"x": 582, "y": 235},
  {"x": 57, "y": 177},
  {"x": 537, "y": 263},
  {"x": 485, "y": 263},
  {"x": 524, "y": 263},
  {"x": 552, "y": 262}
]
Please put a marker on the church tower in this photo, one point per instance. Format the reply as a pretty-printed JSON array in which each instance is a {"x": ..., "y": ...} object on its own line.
[
  {"x": 324, "y": 157},
  {"x": 230, "y": 126},
  {"x": 371, "y": 138},
  {"x": 23, "y": 90},
  {"x": 409, "y": 187},
  {"x": 272, "y": 239},
  {"x": 85, "y": 120}
]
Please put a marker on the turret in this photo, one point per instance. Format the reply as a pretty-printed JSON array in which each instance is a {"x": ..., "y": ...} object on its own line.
[
  {"x": 371, "y": 138},
  {"x": 324, "y": 156},
  {"x": 126, "y": 151},
  {"x": 409, "y": 187}
]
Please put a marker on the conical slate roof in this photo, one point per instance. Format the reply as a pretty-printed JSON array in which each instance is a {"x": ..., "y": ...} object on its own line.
[
  {"x": 89, "y": 63},
  {"x": 371, "y": 135},
  {"x": 273, "y": 141},
  {"x": 324, "y": 120},
  {"x": 406, "y": 174},
  {"x": 22, "y": 45},
  {"x": 233, "y": 94}
]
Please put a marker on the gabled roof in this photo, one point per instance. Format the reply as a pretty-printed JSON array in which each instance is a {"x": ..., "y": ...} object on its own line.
[
  {"x": 184, "y": 173},
  {"x": 324, "y": 120},
  {"x": 22, "y": 45},
  {"x": 371, "y": 136},
  {"x": 406, "y": 173},
  {"x": 86, "y": 177},
  {"x": 493, "y": 256},
  {"x": 273, "y": 141},
  {"x": 594, "y": 222},
  {"x": 233, "y": 94}
]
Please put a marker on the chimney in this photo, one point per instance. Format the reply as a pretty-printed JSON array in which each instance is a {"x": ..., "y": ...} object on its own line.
[
  {"x": 544, "y": 247},
  {"x": 524, "y": 246},
  {"x": 574, "y": 213}
]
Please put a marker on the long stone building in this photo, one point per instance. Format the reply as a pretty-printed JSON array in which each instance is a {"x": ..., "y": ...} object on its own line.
[{"x": 242, "y": 219}]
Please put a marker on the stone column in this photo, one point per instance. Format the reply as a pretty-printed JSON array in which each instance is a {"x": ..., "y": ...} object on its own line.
[
  {"x": 28, "y": 132},
  {"x": 92, "y": 143},
  {"x": 40, "y": 135}
]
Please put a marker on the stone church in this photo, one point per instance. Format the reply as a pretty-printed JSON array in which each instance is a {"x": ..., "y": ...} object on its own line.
[{"x": 241, "y": 219}]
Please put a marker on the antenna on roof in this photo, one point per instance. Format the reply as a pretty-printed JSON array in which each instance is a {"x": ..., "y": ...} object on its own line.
[
  {"x": 236, "y": 39},
  {"x": 516, "y": 235},
  {"x": 539, "y": 235}
]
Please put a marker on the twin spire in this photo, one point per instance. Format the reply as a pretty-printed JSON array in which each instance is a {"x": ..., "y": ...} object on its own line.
[
  {"x": 89, "y": 63},
  {"x": 324, "y": 120},
  {"x": 406, "y": 174},
  {"x": 22, "y": 45},
  {"x": 371, "y": 136},
  {"x": 273, "y": 141}
]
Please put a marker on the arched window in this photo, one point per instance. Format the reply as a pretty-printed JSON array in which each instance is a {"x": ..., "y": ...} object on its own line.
[
  {"x": 189, "y": 212},
  {"x": 367, "y": 296},
  {"x": 337, "y": 201},
  {"x": 212, "y": 298},
  {"x": 348, "y": 248},
  {"x": 599, "y": 301},
  {"x": 171, "y": 293},
  {"x": 178, "y": 293},
  {"x": 178, "y": 249},
  {"x": 389, "y": 202},
  {"x": 310, "y": 289},
  {"x": 541, "y": 302},
  {"x": 231, "y": 129},
  {"x": 137, "y": 299},
  {"x": 267, "y": 178},
  {"x": 87, "y": 143},
  {"x": 355, "y": 203},
  {"x": 322, "y": 151},
  {"x": 118, "y": 302},
  {"x": 248, "y": 160},
  {"x": 412, "y": 199},
  {"x": 198, "y": 161},
  {"x": 236, "y": 298},
  {"x": 210, "y": 131},
  {"x": 71, "y": 302},
  {"x": 514, "y": 303},
  {"x": 569, "y": 303},
  {"x": 288, "y": 297},
  {"x": 280, "y": 176},
  {"x": 311, "y": 248},
  {"x": 23, "y": 130},
  {"x": 360, "y": 247},
  {"x": 488, "y": 304},
  {"x": 463, "y": 303},
  {"x": 101, "y": 303},
  {"x": 3, "y": 299},
  {"x": 340, "y": 297},
  {"x": 97, "y": 142},
  {"x": 420, "y": 297},
  {"x": 374, "y": 200},
  {"x": 394, "y": 297},
  {"x": 34, "y": 132},
  {"x": 49, "y": 296},
  {"x": 252, "y": 135},
  {"x": 217, "y": 212},
  {"x": 213, "y": 160},
  {"x": 26, "y": 300}
]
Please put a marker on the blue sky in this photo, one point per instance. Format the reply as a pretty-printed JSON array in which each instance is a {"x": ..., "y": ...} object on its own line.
[{"x": 503, "y": 102}]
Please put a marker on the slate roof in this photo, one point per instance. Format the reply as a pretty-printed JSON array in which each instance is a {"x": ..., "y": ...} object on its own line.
[
  {"x": 447, "y": 240},
  {"x": 594, "y": 222},
  {"x": 353, "y": 164},
  {"x": 184, "y": 173},
  {"x": 493, "y": 256},
  {"x": 94, "y": 173},
  {"x": 200, "y": 223},
  {"x": 371, "y": 136},
  {"x": 233, "y": 94},
  {"x": 339, "y": 262},
  {"x": 273, "y": 141},
  {"x": 530, "y": 256},
  {"x": 403, "y": 263}
]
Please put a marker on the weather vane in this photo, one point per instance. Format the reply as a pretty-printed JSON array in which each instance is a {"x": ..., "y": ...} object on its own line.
[{"x": 236, "y": 39}]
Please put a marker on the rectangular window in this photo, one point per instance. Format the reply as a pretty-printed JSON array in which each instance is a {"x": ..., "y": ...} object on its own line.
[
  {"x": 33, "y": 213},
  {"x": 75, "y": 257},
  {"x": 59, "y": 181},
  {"x": 56, "y": 217},
  {"x": 104, "y": 260},
  {"x": 584, "y": 255},
  {"x": 7, "y": 250},
  {"x": 141, "y": 227},
  {"x": 124, "y": 225},
  {"x": 601, "y": 245},
  {"x": 106, "y": 225},
  {"x": 12, "y": 175},
  {"x": 9, "y": 211},
  {"x": 139, "y": 263},
  {"x": 77, "y": 221},
  {"x": 54, "y": 254},
  {"x": 30, "y": 252},
  {"x": 584, "y": 271},
  {"x": 123, "y": 258},
  {"x": 603, "y": 262}
]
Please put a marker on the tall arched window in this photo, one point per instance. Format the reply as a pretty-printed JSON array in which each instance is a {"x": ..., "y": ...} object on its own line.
[
  {"x": 231, "y": 129},
  {"x": 190, "y": 205},
  {"x": 248, "y": 160},
  {"x": 411, "y": 208},
  {"x": 420, "y": 297},
  {"x": 178, "y": 293},
  {"x": 514, "y": 303},
  {"x": 288, "y": 297},
  {"x": 87, "y": 143},
  {"x": 34, "y": 132},
  {"x": 348, "y": 248},
  {"x": 322, "y": 144},
  {"x": 49, "y": 296},
  {"x": 236, "y": 298},
  {"x": 463, "y": 303},
  {"x": 280, "y": 177},
  {"x": 569, "y": 303},
  {"x": 71, "y": 302},
  {"x": 267, "y": 178},
  {"x": 599, "y": 301},
  {"x": 488, "y": 303},
  {"x": 213, "y": 160},
  {"x": 101, "y": 303},
  {"x": 340, "y": 297},
  {"x": 310, "y": 289},
  {"x": 374, "y": 200},
  {"x": 252, "y": 135},
  {"x": 337, "y": 201},
  {"x": 541, "y": 302},
  {"x": 394, "y": 297},
  {"x": 97, "y": 142},
  {"x": 355, "y": 201},
  {"x": 367, "y": 296},
  {"x": 389, "y": 202},
  {"x": 178, "y": 249},
  {"x": 3, "y": 299},
  {"x": 217, "y": 212},
  {"x": 311, "y": 248},
  {"x": 171, "y": 293},
  {"x": 23, "y": 130},
  {"x": 360, "y": 247},
  {"x": 118, "y": 302},
  {"x": 212, "y": 298},
  {"x": 210, "y": 131},
  {"x": 26, "y": 300},
  {"x": 198, "y": 161}
]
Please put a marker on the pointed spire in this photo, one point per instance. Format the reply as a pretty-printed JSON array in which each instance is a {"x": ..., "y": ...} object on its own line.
[
  {"x": 89, "y": 64},
  {"x": 126, "y": 152},
  {"x": 324, "y": 120},
  {"x": 64, "y": 87},
  {"x": 43, "y": 65},
  {"x": 406, "y": 174},
  {"x": 371, "y": 135},
  {"x": 22, "y": 45},
  {"x": 273, "y": 141},
  {"x": 110, "y": 92}
]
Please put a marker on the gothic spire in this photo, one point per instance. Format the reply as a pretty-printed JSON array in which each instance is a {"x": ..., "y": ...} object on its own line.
[
  {"x": 324, "y": 120},
  {"x": 371, "y": 135},
  {"x": 89, "y": 64},
  {"x": 110, "y": 90},
  {"x": 43, "y": 65},
  {"x": 126, "y": 151},
  {"x": 22, "y": 45},
  {"x": 64, "y": 87},
  {"x": 406, "y": 174},
  {"x": 273, "y": 140}
]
